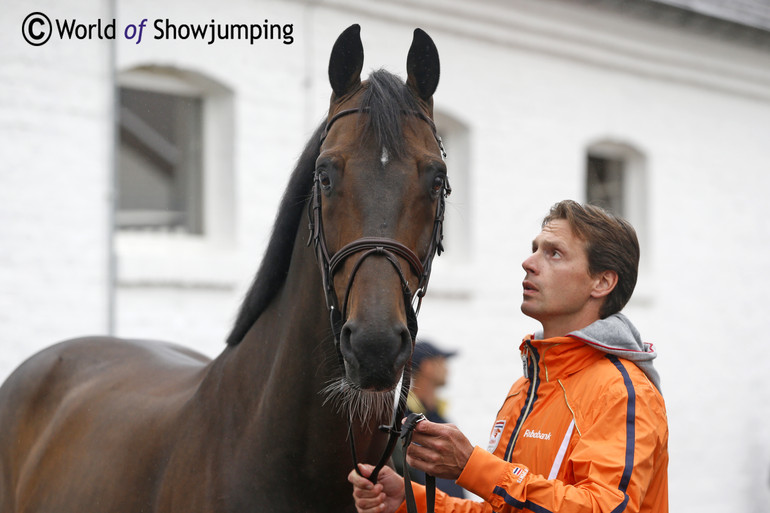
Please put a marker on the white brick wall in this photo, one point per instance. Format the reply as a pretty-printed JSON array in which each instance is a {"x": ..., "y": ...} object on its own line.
[
  {"x": 536, "y": 83},
  {"x": 55, "y": 129}
]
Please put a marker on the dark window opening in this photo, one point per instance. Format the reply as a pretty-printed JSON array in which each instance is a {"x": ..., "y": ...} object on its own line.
[{"x": 160, "y": 162}]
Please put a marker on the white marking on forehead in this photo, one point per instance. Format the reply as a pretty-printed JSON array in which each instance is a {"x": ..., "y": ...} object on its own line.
[{"x": 384, "y": 157}]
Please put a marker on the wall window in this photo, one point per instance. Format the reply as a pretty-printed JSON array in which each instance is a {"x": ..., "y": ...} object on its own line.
[
  {"x": 160, "y": 161},
  {"x": 174, "y": 179},
  {"x": 604, "y": 183},
  {"x": 457, "y": 218},
  {"x": 616, "y": 179},
  {"x": 175, "y": 155}
]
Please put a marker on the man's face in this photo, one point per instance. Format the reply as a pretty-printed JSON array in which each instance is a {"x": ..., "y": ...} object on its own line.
[
  {"x": 557, "y": 285},
  {"x": 438, "y": 370}
]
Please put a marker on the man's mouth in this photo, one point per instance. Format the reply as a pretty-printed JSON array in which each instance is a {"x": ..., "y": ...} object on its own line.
[{"x": 528, "y": 286}]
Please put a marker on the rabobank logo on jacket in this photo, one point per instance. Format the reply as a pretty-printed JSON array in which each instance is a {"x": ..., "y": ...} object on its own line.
[{"x": 531, "y": 433}]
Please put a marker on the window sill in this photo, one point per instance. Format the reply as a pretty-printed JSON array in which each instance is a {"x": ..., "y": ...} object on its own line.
[{"x": 176, "y": 261}]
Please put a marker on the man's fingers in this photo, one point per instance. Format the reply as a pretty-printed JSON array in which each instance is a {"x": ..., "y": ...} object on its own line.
[
  {"x": 365, "y": 469},
  {"x": 362, "y": 487},
  {"x": 361, "y": 480},
  {"x": 370, "y": 504},
  {"x": 367, "y": 493},
  {"x": 386, "y": 495},
  {"x": 369, "y": 498},
  {"x": 434, "y": 442},
  {"x": 417, "y": 456},
  {"x": 427, "y": 427}
]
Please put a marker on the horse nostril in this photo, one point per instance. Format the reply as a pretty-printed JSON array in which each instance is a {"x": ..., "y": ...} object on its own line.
[
  {"x": 375, "y": 353},
  {"x": 345, "y": 336},
  {"x": 405, "y": 351},
  {"x": 349, "y": 359}
]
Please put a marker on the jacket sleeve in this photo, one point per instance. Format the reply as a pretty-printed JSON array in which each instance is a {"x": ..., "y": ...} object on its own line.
[
  {"x": 611, "y": 463},
  {"x": 445, "y": 503}
]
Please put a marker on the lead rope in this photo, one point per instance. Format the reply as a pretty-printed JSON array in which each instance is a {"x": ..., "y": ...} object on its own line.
[{"x": 430, "y": 481}]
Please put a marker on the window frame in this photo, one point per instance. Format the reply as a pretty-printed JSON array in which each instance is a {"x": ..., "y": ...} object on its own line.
[
  {"x": 179, "y": 258},
  {"x": 635, "y": 201},
  {"x": 185, "y": 191},
  {"x": 452, "y": 271}
]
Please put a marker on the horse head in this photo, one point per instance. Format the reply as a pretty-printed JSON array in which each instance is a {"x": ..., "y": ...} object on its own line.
[{"x": 377, "y": 207}]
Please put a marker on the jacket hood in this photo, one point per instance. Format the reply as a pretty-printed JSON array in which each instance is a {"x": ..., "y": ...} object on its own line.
[{"x": 617, "y": 336}]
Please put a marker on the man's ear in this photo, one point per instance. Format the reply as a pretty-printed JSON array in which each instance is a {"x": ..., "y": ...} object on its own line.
[{"x": 604, "y": 283}]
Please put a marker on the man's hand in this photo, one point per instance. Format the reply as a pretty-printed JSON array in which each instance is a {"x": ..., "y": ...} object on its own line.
[
  {"x": 440, "y": 450},
  {"x": 386, "y": 496}
]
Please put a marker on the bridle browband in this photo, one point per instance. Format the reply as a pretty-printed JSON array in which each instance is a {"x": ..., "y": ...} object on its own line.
[
  {"x": 357, "y": 110},
  {"x": 385, "y": 247}
]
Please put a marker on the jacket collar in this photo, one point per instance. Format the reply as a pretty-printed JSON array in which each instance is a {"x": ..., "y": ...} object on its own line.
[{"x": 557, "y": 357}]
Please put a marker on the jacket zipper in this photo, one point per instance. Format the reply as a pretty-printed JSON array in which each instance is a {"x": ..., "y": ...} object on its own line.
[{"x": 532, "y": 394}]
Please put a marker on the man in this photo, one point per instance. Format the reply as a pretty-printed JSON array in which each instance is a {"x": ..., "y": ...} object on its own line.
[
  {"x": 429, "y": 374},
  {"x": 585, "y": 429}
]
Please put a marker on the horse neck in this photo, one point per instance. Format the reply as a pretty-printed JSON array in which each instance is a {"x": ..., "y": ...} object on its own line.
[{"x": 268, "y": 387}]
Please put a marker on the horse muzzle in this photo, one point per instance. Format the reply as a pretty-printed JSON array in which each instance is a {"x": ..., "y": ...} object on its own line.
[{"x": 375, "y": 353}]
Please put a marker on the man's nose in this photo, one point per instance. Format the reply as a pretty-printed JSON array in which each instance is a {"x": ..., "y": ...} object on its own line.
[{"x": 529, "y": 264}]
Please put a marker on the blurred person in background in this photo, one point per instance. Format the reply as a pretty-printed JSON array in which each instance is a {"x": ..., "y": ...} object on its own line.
[{"x": 429, "y": 374}]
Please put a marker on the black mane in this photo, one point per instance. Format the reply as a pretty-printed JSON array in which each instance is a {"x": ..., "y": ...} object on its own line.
[{"x": 386, "y": 98}]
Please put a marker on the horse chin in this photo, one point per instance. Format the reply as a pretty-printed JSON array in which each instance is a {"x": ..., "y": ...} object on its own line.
[{"x": 357, "y": 403}]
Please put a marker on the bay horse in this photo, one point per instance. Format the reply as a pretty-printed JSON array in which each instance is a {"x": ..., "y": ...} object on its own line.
[{"x": 112, "y": 425}]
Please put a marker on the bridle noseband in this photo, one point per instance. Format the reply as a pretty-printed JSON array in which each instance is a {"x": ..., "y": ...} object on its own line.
[{"x": 391, "y": 250}]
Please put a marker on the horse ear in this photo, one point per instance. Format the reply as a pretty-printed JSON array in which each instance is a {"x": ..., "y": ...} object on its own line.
[
  {"x": 422, "y": 65},
  {"x": 346, "y": 61}
]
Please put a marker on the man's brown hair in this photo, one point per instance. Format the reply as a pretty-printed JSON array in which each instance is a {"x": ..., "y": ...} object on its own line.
[{"x": 611, "y": 245}]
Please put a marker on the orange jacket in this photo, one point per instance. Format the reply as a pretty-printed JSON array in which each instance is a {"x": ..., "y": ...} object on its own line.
[{"x": 587, "y": 432}]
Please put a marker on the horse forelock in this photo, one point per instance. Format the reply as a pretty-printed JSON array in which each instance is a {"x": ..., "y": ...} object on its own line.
[{"x": 387, "y": 98}]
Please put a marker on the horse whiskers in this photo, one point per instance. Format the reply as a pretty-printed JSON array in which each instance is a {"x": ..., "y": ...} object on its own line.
[{"x": 363, "y": 405}]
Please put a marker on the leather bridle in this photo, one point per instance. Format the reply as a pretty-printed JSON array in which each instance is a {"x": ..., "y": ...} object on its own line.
[{"x": 390, "y": 249}]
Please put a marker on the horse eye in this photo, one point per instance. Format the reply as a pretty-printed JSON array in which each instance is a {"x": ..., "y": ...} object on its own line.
[
  {"x": 324, "y": 180},
  {"x": 438, "y": 184}
]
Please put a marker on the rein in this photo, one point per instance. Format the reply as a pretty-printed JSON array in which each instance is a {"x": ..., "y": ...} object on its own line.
[
  {"x": 430, "y": 481},
  {"x": 389, "y": 249}
]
